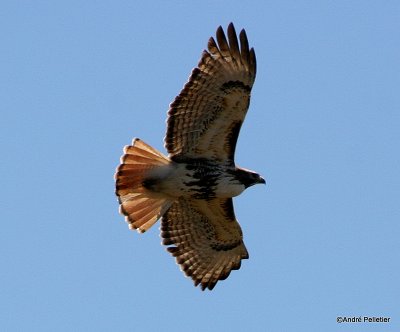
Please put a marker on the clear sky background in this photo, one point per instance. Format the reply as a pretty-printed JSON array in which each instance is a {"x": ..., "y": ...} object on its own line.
[{"x": 80, "y": 79}]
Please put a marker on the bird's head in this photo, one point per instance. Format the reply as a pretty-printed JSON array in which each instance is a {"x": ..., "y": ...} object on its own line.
[{"x": 248, "y": 178}]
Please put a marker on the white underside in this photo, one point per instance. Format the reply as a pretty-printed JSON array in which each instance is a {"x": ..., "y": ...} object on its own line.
[{"x": 173, "y": 181}]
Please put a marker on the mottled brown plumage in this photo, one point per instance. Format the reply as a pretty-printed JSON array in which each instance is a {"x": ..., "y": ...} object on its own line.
[
  {"x": 204, "y": 120},
  {"x": 205, "y": 248}
]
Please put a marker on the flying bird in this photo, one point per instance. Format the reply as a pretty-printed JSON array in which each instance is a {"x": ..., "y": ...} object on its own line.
[{"x": 191, "y": 189}]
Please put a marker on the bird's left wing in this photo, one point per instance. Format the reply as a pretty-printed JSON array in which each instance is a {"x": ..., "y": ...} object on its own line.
[
  {"x": 205, "y": 238},
  {"x": 204, "y": 120}
]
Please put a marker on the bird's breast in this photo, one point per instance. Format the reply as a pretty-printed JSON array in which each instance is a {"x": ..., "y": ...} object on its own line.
[{"x": 198, "y": 181}]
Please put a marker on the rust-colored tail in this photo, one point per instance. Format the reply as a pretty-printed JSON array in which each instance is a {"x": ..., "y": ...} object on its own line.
[{"x": 141, "y": 207}]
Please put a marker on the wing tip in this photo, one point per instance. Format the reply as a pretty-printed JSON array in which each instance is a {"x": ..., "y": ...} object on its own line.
[{"x": 220, "y": 47}]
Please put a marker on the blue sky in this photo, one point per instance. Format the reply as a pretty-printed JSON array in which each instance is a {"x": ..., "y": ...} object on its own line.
[{"x": 80, "y": 79}]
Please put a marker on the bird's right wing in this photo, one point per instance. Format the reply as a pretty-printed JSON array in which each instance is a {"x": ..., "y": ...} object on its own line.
[{"x": 204, "y": 120}]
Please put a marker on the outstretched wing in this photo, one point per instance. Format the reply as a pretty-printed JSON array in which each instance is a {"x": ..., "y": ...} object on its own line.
[
  {"x": 205, "y": 119},
  {"x": 205, "y": 238}
]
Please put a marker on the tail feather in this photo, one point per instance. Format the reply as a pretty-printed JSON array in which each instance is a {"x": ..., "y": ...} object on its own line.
[
  {"x": 138, "y": 152},
  {"x": 141, "y": 207}
]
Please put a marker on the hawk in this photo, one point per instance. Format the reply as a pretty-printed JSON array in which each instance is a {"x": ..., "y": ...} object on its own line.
[{"x": 191, "y": 189}]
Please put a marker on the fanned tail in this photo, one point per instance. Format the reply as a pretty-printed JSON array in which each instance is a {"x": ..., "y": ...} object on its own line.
[{"x": 141, "y": 207}]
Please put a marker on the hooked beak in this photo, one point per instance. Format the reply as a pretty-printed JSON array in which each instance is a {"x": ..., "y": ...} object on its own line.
[{"x": 261, "y": 180}]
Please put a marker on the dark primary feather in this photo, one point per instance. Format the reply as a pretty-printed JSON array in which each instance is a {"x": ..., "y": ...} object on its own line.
[{"x": 205, "y": 118}]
